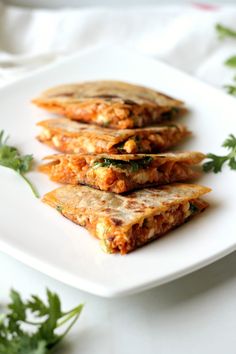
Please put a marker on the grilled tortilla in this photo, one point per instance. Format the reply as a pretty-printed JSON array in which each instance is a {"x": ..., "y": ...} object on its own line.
[
  {"x": 71, "y": 137},
  {"x": 111, "y": 104},
  {"x": 122, "y": 173},
  {"x": 124, "y": 223}
]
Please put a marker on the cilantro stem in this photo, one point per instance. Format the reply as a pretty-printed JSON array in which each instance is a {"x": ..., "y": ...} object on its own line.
[
  {"x": 2, "y": 317},
  {"x": 68, "y": 315},
  {"x": 34, "y": 190},
  {"x": 74, "y": 313}
]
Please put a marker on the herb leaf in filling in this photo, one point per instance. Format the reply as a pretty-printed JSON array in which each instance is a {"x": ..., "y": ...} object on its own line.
[{"x": 132, "y": 165}]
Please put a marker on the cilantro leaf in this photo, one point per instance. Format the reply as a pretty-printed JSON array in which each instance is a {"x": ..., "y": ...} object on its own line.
[
  {"x": 47, "y": 328},
  {"x": 216, "y": 162},
  {"x": 132, "y": 165},
  {"x": 224, "y": 31},
  {"x": 230, "y": 142},
  {"x": 37, "y": 306},
  {"x": 232, "y": 163},
  {"x": 231, "y": 89},
  {"x": 24, "y": 345},
  {"x": 10, "y": 157},
  {"x": 17, "y": 306},
  {"x": 231, "y": 61}
]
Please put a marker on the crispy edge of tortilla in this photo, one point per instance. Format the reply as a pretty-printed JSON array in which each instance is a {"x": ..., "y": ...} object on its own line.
[
  {"x": 53, "y": 98},
  {"x": 189, "y": 157},
  {"x": 193, "y": 191}
]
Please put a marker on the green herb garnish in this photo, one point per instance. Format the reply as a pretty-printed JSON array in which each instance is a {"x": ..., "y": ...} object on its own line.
[
  {"x": 216, "y": 162},
  {"x": 59, "y": 208},
  {"x": 43, "y": 317},
  {"x": 120, "y": 146},
  {"x": 106, "y": 123},
  {"x": 231, "y": 89},
  {"x": 10, "y": 157},
  {"x": 224, "y": 32},
  {"x": 231, "y": 62},
  {"x": 168, "y": 115},
  {"x": 133, "y": 165},
  {"x": 193, "y": 208}
]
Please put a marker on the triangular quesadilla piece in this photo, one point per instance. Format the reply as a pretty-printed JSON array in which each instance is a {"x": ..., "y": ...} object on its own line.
[
  {"x": 113, "y": 104},
  {"x": 124, "y": 223},
  {"x": 122, "y": 173},
  {"x": 71, "y": 137}
]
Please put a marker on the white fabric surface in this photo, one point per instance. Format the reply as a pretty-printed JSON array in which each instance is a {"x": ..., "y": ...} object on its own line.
[{"x": 183, "y": 36}]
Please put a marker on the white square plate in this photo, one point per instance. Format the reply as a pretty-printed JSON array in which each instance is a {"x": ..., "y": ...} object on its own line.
[{"x": 40, "y": 237}]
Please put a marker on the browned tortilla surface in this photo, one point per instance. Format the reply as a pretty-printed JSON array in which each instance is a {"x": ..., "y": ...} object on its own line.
[
  {"x": 124, "y": 223},
  {"x": 113, "y": 104}
]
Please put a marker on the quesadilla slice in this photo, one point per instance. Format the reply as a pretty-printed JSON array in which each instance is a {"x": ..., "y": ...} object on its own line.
[
  {"x": 71, "y": 137},
  {"x": 124, "y": 223},
  {"x": 111, "y": 104},
  {"x": 122, "y": 173}
]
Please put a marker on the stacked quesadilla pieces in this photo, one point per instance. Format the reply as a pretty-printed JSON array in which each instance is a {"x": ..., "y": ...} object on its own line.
[{"x": 119, "y": 182}]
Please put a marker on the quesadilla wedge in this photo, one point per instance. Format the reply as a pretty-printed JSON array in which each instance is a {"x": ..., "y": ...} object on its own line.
[
  {"x": 111, "y": 104},
  {"x": 122, "y": 173},
  {"x": 71, "y": 137},
  {"x": 124, "y": 223}
]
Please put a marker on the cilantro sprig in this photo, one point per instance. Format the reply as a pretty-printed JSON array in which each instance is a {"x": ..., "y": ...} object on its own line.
[
  {"x": 224, "y": 32},
  {"x": 10, "y": 157},
  {"x": 44, "y": 318},
  {"x": 216, "y": 162}
]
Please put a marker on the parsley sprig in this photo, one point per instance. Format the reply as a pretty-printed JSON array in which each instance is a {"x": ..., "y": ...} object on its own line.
[
  {"x": 216, "y": 162},
  {"x": 43, "y": 317},
  {"x": 10, "y": 157}
]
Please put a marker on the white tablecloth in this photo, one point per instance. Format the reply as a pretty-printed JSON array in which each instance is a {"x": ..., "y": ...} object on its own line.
[
  {"x": 195, "y": 314},
  {"x": 184, "y": 36}
]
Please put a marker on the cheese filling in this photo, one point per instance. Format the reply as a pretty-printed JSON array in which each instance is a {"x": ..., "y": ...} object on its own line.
[{"x": 81, "y": 143}]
